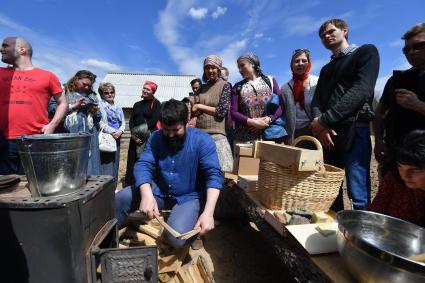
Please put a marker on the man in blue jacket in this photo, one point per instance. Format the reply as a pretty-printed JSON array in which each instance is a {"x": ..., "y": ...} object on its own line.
[
  {"x": 342, "y": 109},
  {"x": 179, "y": 170}
]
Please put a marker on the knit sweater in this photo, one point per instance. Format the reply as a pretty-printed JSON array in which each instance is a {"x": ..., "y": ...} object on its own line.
[
  {"x": 290, "y": 112},
  {"x": 210, "y": 95},
  {"x": 346, "y": 87}
]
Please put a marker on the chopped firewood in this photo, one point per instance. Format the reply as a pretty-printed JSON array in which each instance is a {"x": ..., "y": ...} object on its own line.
[
  {"x": 166, "y": 277},
  {"x": 183, "y": 276},
  {"x": 121, "y": 246},
  {"x": 121, "y": 232},
  {"x": 172, "y": 263},
  {"x": 148, "y": 240},
  {"x": 151, "y": 231},
  {"x": 204, "y": 271},
  {"x": 194, "y": 273}
]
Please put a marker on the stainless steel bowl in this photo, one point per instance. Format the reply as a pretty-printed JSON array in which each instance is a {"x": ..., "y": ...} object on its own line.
[{"x": 376, "y": 247}]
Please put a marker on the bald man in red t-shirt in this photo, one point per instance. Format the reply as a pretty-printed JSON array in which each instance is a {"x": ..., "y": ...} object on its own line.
[{"x": 25, "y": 92}]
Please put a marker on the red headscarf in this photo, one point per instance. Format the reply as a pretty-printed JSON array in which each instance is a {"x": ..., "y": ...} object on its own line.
[
  {"x": 298, "y": 89},
  {"x": 152, "y": 85}
]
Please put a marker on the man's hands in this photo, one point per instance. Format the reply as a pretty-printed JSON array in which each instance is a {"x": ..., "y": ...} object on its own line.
[
  {"x": 409, "y": 100},
  {"x": 323, "y": 133},
  {"x": 148, "y": 205},
  {"x": 48, "y": 129},
  {"x": 205, "y": 222}
]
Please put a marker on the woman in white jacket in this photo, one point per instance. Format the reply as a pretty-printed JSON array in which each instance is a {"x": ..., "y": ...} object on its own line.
[
  {"x": 297, "y": 95},
  {"x": 113, "y": 123}
]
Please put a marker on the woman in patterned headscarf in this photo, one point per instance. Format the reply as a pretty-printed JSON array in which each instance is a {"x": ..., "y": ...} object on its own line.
[
  {"x": 143, "y": 120},
  {"x": 297, "y": 94},
  {"x": 212, "y": 108},
  {"x": 250, "y": 98}
]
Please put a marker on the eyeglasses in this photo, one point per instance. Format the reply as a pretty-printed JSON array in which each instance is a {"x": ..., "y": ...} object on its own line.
[
  {"x": 301, "y": 50},
  {"x": 111, "y": 92},
  {"x": 416, "y": 46}
]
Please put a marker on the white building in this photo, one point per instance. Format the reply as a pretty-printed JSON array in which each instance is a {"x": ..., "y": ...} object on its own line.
[{"x": 128, "y": 88}]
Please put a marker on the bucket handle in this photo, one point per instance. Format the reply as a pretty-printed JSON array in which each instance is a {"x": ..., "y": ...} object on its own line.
[{"x": 27, "y": 146}]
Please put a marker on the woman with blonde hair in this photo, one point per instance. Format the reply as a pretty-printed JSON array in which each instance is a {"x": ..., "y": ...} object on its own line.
[
  {"x": 83, "y": 114},
  {"x": 113, "y": 123}
]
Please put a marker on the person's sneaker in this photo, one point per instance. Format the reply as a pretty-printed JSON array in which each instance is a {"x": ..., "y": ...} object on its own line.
[{"x": 197, "y": 244}]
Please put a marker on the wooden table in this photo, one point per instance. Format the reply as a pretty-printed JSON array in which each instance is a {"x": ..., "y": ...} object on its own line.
[{"x": 297, "y": 263}]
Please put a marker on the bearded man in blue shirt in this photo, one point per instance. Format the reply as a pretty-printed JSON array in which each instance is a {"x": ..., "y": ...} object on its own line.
[{"x": 179, "y": 170}]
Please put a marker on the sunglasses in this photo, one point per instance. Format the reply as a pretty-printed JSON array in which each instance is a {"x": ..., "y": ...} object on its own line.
[
  {"x": 111, "y": 92},
  {"x": 299, "y": 50},
  {"x": 416, "y": 46}
]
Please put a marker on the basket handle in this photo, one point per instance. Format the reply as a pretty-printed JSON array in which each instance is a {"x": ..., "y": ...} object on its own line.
[
  {"x": 318, "y": 145},
  {"x": 308, "y": 138}
]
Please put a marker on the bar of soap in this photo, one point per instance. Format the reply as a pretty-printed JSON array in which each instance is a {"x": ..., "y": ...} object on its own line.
[
  {"x": 327, "y": 229},
  {"x": 319, "y": 217}
]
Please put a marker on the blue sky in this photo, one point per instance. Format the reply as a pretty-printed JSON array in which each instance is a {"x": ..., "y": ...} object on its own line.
[{"x": 173, "y": 37}]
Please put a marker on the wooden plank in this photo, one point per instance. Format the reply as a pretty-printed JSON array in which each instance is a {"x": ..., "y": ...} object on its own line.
[
  {"x": 189, "y": 234},
  {"x": 285, "y": 155},
  {"x": 167, "y": 227}
]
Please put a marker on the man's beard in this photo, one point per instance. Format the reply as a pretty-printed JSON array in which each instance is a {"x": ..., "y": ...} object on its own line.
[{"x": 176, "y": 142}]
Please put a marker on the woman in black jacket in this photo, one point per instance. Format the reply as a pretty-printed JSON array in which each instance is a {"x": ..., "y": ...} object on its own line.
[{"x": 143, "y": 121}]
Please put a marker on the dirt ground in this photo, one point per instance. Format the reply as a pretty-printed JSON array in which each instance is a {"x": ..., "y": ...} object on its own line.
[{"x": 234, "y": 250}]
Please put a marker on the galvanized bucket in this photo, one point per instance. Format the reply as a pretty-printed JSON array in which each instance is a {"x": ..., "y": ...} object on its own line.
[{"x": 55, "y": 164}]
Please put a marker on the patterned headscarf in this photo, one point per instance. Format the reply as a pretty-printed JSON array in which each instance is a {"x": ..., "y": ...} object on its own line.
[
  {"x": 152, "y": 85},
  {"x": 212, "y": 60},
  {"x": 253, "y": 59}
]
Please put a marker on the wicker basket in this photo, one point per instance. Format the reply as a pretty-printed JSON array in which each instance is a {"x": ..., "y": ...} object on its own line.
[{"x": 282, "y": 188}]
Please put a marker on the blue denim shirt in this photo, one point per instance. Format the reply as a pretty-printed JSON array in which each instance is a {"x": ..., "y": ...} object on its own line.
[{"x": 184, "y": 174}]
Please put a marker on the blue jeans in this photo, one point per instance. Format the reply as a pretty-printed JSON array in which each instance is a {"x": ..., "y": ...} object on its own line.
[
  {"x": 356, "y": 163},
  {"x": 183, "y": 216},
  {"x": 10, "y": 162}
]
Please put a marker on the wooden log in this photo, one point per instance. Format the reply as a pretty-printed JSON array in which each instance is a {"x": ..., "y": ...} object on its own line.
[{"x": 151, "y": 231}]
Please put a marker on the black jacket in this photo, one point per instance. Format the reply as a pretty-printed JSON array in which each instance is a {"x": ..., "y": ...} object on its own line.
[{"x": 346, "y": 87}]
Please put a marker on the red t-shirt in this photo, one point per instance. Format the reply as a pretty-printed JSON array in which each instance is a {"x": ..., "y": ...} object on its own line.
[
  {"x": 24, "y": 97},
  {"x": 397, "y": 200}
]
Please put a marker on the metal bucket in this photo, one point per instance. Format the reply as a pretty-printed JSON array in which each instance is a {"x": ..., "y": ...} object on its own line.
[{"x": 55, "y": 164}]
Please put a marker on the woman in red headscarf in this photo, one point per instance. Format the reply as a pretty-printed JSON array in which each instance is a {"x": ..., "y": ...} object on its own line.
[
  {"x": 144, "y": 119},
  {"x": 297, "y": 95}
]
